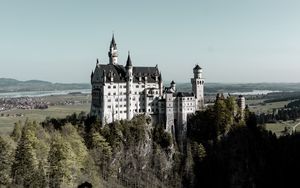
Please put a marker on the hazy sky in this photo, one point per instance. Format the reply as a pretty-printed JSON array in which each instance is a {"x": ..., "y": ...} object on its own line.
[{"x": 233, "y": 40}]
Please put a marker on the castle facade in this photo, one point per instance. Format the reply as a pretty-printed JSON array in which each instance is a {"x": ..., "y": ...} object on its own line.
[{"x": 121, "y": 92}]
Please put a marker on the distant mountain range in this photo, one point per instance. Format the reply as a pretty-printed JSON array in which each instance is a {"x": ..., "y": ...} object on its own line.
[{"x": 13, "y": 85}]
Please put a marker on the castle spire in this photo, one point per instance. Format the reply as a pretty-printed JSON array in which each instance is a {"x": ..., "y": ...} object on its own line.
[
  {"x": 113, "y": 42},
  {"x": 113, "y": 52},
  {"x": 128, "y": 63}
]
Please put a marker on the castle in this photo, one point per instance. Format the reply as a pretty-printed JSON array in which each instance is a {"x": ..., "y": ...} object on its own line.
[{"x": 120, "y": 92}]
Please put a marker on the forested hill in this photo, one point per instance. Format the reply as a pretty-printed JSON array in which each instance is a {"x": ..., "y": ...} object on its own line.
[
  {"x": 223, "y": 148},
  {"x": 13, "y": 85},
  {"x": 241, "y": 87}
]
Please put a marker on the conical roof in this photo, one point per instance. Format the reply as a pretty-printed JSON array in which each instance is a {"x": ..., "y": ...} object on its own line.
[{"x": 128, "y": 62}]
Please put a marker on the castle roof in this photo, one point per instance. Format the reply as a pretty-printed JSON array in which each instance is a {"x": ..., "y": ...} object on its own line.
[
  {"x": 113, "y": 42},
  {"x": 197, "y": 67},
  {"x": 128, "y": 62},
  {"x": 119, "y": 73}
]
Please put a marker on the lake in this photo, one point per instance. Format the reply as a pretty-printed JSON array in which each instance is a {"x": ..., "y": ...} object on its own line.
[
  {"x": 255, "y": 92},
  {"x": 42, "y": 93}
]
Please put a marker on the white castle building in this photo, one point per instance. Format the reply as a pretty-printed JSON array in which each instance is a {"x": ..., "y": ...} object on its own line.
[{"x": 121, "y": 92}]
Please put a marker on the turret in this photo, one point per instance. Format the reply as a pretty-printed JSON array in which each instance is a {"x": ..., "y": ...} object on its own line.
[
  {"x": 173, "y": 86},
  {"x": 198, "y": 87},
  {"x": 197, "y": 72},
  {"x": 113, "y": 52},
  {"x": 241, "y": 102}
]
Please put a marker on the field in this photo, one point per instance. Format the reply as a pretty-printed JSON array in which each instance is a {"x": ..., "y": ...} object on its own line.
[
  {"x": 279, "y": 127},
  {"x": 81, "y": 103},
  {"x": 258, "y": 106}
]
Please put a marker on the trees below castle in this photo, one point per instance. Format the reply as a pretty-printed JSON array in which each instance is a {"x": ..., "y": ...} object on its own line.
[{"x": 222, "y": 150}]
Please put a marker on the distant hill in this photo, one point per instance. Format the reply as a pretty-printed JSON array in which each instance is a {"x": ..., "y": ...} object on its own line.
[
  {"x": 242, "y": 87},
  {"x": 13, "y": 85}
]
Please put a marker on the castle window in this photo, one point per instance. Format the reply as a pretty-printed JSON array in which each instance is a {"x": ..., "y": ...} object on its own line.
[
  {"x": 108, "y": 106},
  {"x": 109, "y": 100},
  {"x": 143, "y": 86},
  {"x": 137, "y": 86},
  {"x": 116, "y": 99},
  {"x": 108, "y": 87},
  {"x": 114, "y": 87},
  {"x": 114, "y": 93},
  {"x": 108, "y": 93}
]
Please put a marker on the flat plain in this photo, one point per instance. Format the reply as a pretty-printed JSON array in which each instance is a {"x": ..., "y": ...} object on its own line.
[{"x": 62, "y": 106}]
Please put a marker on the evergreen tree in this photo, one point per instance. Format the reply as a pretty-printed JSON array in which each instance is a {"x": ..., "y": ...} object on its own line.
[
  {"x": 6, "y": 152},
  {"x": 17, "y": 132},
  {"x": 101, "y": 152},
  {"x": 223, "y": 116},
  {"x": 25, "y": 163},
  {"x": 61, "y": 161}
]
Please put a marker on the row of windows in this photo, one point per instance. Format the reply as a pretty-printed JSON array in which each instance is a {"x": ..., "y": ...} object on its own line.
[
  {"x": 140, "y": 110},
  {"x": 124, "y": 86},
  {"x": 141, "y": 98},
  {"x": 187, "y": 104},
  {"x": 180, "y": 110},
  {"x": 124, "y": 105},
  {"x": 189, "y": 98}
]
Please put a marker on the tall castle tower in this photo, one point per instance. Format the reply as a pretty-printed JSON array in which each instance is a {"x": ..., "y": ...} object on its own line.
[
  {"x": 113, "y": 52},
  {"x": 198, "y": 87}
]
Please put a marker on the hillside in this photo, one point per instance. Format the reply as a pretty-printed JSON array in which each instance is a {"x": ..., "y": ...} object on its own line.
[
  {"x": 241, "y": 87},
  {"x": 13, "y": 85}
]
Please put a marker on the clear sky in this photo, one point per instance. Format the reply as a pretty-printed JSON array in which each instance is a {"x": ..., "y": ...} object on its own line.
[{"x": 233, "y": 40}]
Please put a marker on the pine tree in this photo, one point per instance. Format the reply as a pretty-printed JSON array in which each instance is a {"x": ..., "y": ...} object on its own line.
[
  {"x": 70, "y": 134},
  {"x": 17, "y": 132},
  {"x": 6, "y": 152},
  {"x": 61, "y": 161},
  {"x": 101, "y": 152},
  {"x": 25, "y": 163}
]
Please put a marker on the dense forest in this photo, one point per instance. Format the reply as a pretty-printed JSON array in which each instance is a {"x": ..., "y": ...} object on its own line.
[{"x": 224, "y": 147}]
